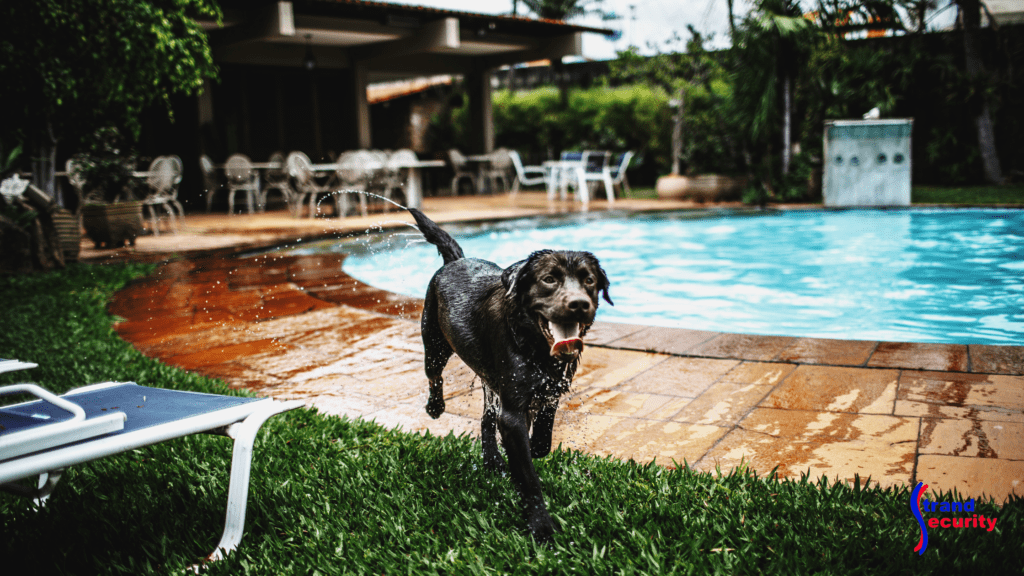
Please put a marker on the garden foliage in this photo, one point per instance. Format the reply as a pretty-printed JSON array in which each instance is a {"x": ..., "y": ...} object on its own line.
[{"x": 732, "y": 118}]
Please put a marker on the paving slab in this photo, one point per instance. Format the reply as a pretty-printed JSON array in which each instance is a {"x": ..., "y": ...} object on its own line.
[
  {"x": 836, "y": 445},
  {"x": 828, "y": 352},
  {"x": 981, "y": 478},
  {"x": 945, "y": 357},
  {"x": 836, "y": 389},
  {"x": 723, "y": 404},
  {"x": 974, "y": 438},
  {"x": 997, "y": 359}
]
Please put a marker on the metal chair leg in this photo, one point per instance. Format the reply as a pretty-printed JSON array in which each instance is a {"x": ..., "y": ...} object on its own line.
[{"x": 244, "y": 435}]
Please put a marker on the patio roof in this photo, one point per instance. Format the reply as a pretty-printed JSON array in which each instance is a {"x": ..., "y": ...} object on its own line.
[{"x": 392, "y": 41}]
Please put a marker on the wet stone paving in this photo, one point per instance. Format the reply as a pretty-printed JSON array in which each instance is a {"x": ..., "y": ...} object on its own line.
[{"x": 297, "y": 327}]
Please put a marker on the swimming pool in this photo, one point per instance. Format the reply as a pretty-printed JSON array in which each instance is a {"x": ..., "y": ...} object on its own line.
[{"x": 920, "y": 275}]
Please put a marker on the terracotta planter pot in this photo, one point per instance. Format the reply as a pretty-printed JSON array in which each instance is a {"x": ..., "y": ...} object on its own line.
[
  {"x": 109, "y": 225},
  {"x": 706, "y": 188},
  {"x": 69, "y": 233}
]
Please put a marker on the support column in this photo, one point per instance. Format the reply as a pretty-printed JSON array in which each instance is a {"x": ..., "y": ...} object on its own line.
[
  {"x": 481, "y": 114},
  {"x": 360, "y": 78}
]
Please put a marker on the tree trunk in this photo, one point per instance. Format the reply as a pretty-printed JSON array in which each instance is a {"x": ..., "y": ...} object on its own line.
[
  {"x": 44, "y": 165},
  {"x": 561, "y": 81},
  {"x": 732, "y": 21},
  {"x": 677, "y": 132},
  {"x": 787, "y": 121},
  {"x": 970, "y": 11}
]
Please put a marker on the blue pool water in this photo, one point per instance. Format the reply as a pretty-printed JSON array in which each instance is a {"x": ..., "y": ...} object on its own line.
[{"x": 953, "y": 276}]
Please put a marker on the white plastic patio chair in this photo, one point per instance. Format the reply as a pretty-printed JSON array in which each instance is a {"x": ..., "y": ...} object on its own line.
[
  {"x": 459, "y": 165},
  {"x": 499, "y": 168},
  {"x": 397, "y": 165},
  {"x": 526, "y": 175},
  {"x": 42, "y": 438},
  {"x": 595, "y": 168},
  {"x": 163, "y": 178},
  {"x": 241, "y": 177},
  {"x": 304, "y": 183},
  {"x": 278, "y": 179},
  {"x": 211, "y": 180},
  {"x": 571, "y": 172},
  {"x": 71, "y": 168},
  {"x": 351, "y": 175},
  {"x": 618, "y": 172}
]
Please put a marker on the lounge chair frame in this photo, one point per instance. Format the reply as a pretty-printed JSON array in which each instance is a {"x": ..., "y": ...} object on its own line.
[{"x": 240, "y": 421}]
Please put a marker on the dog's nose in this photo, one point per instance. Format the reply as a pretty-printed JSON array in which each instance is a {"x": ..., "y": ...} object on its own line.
[{"x": 579, "y": 305}]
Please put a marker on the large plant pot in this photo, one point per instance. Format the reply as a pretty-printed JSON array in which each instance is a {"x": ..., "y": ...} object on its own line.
[
  {"x": 110, "y": 225},
  {"x": 69, "y": 233},
  {"x": 706, "y": 188}
]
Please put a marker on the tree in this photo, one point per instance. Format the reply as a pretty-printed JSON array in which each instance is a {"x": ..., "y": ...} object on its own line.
[
  {"x": 697, "y": 82},
  {"x": 69, "y": 67},
  {"x": 560, "y": 10},
  {"x": 970, "y": 15},
  {"x": 771, "y": 45}
]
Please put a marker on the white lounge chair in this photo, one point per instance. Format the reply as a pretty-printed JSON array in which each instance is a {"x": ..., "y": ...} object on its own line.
[{"x": 42, "y": 438}]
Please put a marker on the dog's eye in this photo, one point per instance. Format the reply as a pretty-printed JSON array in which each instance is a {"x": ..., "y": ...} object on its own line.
[
  {"x": 549, "y": 279},
  {"x": 589, "y": 280}
]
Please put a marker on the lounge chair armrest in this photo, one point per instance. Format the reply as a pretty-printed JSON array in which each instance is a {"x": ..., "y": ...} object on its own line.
[
  {"x": 20, "y": 443},
  {"x": 12, "y": 365},
  {"x": 43, "y": 394}
]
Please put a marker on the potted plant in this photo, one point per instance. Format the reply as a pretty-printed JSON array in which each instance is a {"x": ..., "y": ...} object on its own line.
[
  {"x": 31, "y": 223},
  {"x": 111, "y": 213}
]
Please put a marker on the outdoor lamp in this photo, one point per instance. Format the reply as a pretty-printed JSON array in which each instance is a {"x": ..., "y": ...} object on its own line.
[{"x": 309, "y": 62}]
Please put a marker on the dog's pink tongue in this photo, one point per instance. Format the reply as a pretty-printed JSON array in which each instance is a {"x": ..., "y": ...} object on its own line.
[{"x": 567, "y": 339}]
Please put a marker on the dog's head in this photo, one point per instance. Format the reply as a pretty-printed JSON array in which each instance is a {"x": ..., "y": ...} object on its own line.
[{"x": 558, "y": 291}]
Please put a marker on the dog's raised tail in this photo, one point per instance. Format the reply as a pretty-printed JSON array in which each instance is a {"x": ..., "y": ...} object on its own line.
[{"x": 447, "y": 247}]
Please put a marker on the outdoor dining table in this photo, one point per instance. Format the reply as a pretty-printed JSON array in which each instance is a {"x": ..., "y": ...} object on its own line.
[
  {"x": 558, "y": 173},
  {"x": 482, "y": 162}
]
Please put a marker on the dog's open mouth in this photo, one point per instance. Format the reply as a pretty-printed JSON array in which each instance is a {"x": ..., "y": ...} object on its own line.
[{"x": 565, "y": 339}]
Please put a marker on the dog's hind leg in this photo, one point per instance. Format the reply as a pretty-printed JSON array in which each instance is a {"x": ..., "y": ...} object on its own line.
[
  {"x": 493, "y": 460},
  {"x": 543, "y": 423},
  {"x": 436, "y": 352}
]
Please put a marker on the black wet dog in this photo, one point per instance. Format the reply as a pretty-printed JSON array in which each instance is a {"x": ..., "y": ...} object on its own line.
[{"x": 520, "y": 329}]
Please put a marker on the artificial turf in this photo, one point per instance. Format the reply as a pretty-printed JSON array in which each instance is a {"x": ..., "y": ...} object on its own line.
[{"x": 331, "y": 495}]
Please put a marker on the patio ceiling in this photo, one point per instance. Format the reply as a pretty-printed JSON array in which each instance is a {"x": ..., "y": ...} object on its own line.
[{"x": 392, "y": 41}]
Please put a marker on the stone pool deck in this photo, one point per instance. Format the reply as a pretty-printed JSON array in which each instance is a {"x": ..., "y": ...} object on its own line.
[{"x": 951, "y": 416}]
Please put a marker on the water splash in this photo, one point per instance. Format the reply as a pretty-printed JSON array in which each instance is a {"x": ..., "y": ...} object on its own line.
[{"x": 362, "y": 192}]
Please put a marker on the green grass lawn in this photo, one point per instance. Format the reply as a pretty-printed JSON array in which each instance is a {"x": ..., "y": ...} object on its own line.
[
  {"x": 969, "y": 195},
  {"x": 337, "y": 496}
]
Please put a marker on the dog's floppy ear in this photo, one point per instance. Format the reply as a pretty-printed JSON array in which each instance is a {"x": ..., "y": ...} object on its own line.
[
  {"x": 602, "y": 278},
  {"x": 515, "y": 275},
  {"x": 510, "y": 278}
]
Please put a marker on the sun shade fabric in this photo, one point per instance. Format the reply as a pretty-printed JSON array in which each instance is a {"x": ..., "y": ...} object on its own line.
[{"x": 145, "y": 407}]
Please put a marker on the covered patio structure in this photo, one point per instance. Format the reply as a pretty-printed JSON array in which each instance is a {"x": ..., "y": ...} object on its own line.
[{"x": 294, "y": 74}]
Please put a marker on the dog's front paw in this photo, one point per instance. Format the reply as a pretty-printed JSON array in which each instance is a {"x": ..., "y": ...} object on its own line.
[
  {"x": 435, "y": 405},
  {"x": 495, "y": 463},
  {"x": 540, "y": 450},
  {"x": 541, "y": 527}
]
